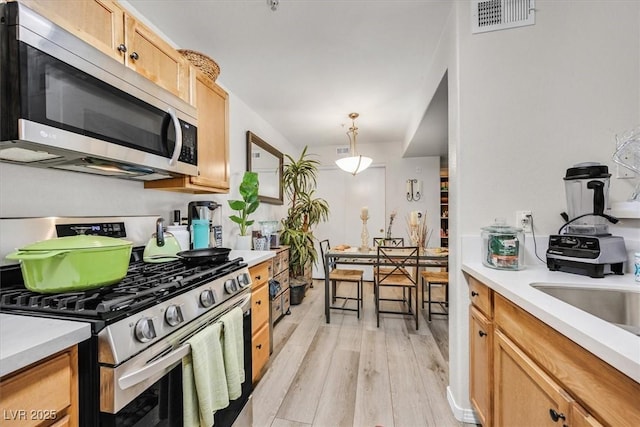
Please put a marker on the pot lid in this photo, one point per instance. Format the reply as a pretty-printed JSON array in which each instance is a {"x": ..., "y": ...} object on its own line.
[{"x": 77, "y": 242}]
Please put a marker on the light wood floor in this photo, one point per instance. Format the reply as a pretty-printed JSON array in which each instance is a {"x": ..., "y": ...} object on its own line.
[{"x": 351, "y": 373}]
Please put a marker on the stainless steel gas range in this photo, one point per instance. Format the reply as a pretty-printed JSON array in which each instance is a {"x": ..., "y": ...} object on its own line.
[{"x": 130, "y": 369}]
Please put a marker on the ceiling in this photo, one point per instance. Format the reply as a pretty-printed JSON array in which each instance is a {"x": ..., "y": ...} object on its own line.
[{"x": 305, "y": 66}]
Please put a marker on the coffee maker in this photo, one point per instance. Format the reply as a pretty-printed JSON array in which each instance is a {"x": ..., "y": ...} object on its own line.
[
  {"x": 583, "y": 244},
  {"x": 200, "y": 222}
]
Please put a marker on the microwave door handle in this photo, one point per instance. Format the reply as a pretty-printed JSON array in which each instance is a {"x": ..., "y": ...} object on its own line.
[
  {"x": 178, "y": 148},
  {"x": 155, "y": 367}
]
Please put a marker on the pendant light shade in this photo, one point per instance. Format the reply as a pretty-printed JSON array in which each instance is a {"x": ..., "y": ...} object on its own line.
[{"x": 355, "y": 163}]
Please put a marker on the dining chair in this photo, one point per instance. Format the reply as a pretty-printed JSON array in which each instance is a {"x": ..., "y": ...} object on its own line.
[
  {"x": 342, "y": 275},
  {"x": 438, "y": 278},
  {"x": 388, "y": 241},
  {"x": 397, "y": 268}
]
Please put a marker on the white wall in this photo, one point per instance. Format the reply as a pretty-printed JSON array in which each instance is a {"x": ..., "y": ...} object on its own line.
[
  {"x": 524, "y": 105},
  {"x": 538, "y": 99},
  {"x": 398, "y": 170},
  {"x": 33, "y": 192}
]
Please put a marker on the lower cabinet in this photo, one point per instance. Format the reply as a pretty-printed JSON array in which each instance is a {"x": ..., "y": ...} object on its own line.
[
  {"x": 281, "y": 301},
  {"x": 481, "y": 378},
  {"x": 260, "y": 309},
  {"x": 525, "y": 373},
  {"x": 45, "y": 394},
  {"x": 524, "y": 393}
]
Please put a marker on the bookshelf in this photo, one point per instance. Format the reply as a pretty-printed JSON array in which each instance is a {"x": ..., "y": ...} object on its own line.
[{"x": 444, "y": 208}]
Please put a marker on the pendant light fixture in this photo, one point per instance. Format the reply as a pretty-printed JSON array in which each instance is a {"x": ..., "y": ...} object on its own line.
[{"x": 355, "y": 163}]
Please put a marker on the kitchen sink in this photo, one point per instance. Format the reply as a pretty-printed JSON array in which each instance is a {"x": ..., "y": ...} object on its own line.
[{"x": 618, "y": 307}]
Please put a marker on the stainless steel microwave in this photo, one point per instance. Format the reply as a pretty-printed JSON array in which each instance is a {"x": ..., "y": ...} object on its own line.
[{"x": 67, "y": 105}]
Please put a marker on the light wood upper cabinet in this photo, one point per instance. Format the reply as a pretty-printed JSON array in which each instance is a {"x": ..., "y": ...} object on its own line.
[
  {"x": 212, "y": 103},
  {"x": 105, "y": 25},
  {"x": 154, "y": 58},
  {"x": 98, "y": 22}
]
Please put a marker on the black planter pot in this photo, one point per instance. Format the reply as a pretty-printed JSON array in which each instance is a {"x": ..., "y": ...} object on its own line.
[{"x": 298, "y": 288}]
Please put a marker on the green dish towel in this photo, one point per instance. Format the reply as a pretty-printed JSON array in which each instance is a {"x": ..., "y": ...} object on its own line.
[
  {"x": 233, "y": 350},
  {"x": 204, "y": 381}
]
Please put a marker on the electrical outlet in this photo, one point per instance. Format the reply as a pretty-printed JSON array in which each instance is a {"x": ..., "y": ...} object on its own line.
[{"x": 523, "y": 220}]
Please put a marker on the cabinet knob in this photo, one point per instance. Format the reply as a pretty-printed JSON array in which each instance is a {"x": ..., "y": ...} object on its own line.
[
  {"x": 122, "y": 48},
  {"x": 474, "y": 294},
  {"x": 482, "y": 334},
  {"x": 555, "y": 416},
  {"x": 259, "y": 302},
  {"x": 258, "y": 277},
  {"x": 259, "y": 346},
  {"x": 134, "y": 56}
]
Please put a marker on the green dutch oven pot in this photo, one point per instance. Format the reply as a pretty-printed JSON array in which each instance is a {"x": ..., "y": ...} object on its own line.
[{"x": 74, "y": 263}]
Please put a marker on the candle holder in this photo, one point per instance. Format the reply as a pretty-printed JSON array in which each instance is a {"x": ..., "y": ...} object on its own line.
[
  {"x": 364, "y": 236},
  {"x": 414, "y": 234}
]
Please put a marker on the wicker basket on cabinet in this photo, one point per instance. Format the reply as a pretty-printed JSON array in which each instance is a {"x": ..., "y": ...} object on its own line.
[{"x": 202, "y": 62}]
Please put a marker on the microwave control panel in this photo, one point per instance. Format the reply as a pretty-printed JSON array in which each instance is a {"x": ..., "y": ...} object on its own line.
[{"x": 189, "y": 152}]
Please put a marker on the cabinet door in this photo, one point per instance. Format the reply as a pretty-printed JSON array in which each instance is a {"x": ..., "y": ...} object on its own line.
[
  {"x": 155, "y": 59},
  {"x": 42, "y": 394},
  {"x": 98, "y": 22},
  {"x": 259, "y": 307},
  {"x": 581, "y": 418},
  {"x": 481, "y": 368},
  {"x": 524, "y": 394},
  {"x": 260, "y": 352},
  {"x": 213, "y": 140}
]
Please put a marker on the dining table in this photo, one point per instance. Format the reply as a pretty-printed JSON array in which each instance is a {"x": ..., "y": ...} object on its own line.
[{"x": 347, "y": 255}]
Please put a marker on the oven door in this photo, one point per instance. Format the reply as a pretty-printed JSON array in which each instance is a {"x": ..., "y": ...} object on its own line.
[{"x": 147, "y": 389}]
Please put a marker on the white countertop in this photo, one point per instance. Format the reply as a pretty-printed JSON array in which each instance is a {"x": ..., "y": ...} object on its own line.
[
  {"x": 252, "y": 257},
  {"x": 25, "y": 340},
  {"x": 614, "y": 345}
]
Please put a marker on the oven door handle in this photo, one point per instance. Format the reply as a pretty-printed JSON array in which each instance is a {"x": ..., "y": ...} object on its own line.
[{"x": 155, "y": 367}]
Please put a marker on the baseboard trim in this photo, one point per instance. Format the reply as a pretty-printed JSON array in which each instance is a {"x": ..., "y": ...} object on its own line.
[{"x": 466, "y": 415}]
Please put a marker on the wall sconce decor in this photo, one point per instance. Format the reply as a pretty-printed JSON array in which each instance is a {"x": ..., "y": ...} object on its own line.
[{"x": 414, "y": 190}]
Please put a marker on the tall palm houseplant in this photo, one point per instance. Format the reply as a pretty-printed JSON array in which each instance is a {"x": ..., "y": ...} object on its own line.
[{"x": 305, "y": 211}]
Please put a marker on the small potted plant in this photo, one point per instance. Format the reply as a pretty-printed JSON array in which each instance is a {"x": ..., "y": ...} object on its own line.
[{"x": 245, "y": 207}]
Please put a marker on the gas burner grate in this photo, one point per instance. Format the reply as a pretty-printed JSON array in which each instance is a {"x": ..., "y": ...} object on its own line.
[{"x": 144, "y": 285}]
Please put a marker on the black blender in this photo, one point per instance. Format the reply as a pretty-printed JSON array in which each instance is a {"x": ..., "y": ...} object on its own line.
[{"x": 583, "y": 244}]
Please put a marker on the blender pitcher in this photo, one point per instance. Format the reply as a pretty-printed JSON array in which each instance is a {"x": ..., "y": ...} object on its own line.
[{"x": 587, "y": 192}]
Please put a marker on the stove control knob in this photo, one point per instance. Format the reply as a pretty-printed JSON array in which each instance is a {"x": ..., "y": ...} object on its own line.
[
  {"x": 231, "y": 286},
  {"x": 244, "y": 280},
  {"x": 207, "y": 298},
  {"x": 173, "y": 315},
  {"x": 144, "y": 330}
]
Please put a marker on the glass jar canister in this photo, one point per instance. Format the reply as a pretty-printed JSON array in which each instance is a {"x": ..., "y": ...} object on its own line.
[{"x": 502, "y": 246}]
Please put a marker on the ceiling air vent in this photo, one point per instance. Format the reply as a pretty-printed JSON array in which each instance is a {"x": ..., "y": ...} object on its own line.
[
  {"x": 342, "y": 150},
  {"x": 492, "y": 15}
]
